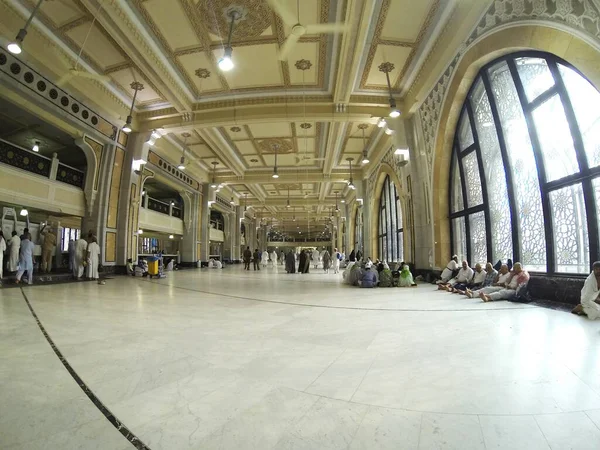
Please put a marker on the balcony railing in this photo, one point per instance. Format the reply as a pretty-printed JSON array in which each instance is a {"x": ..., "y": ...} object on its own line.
[
  {"x": 29, "y": 161},
  {"x": 162, "y": 207}
]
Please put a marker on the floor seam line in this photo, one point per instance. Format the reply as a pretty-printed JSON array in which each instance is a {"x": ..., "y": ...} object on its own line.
[{"x": 121, "y": 428}]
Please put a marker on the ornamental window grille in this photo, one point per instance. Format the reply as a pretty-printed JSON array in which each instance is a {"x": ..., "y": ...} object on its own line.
[
  {"x": 525, "y": 167},
  {"x": 390, "y": 228}
]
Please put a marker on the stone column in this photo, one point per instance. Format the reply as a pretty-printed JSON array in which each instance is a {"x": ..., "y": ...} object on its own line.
[
  {"x": 367, "y": 231},
  {"x": 205, "y": 224},
  {"x": 188, "y": 250}
]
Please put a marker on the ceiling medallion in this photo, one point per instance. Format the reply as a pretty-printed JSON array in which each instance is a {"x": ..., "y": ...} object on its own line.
[
  {"x": 363, "y": 126},
  {"x": 292, "y": 187},
  {"x": 254, "y": 17},
  {"x": 202, "y": 73},
  {"x": 136, "y": 86},
  {"x": 303, "y": 64},
  {"x": 186, "y": 135},
  {"x": 235, "y": 129},
  {"x": 386, "y": 67},
  {"x": 254, "y": 160},
  {"x": 268, "y": 146},
  {"x": 305, "y": 125}
]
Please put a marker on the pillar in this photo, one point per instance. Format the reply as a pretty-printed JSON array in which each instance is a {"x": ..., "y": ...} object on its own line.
[
  {"x": 367, "y": 214},
  {"x": 191, "y": 205},
  {"x": 205, "y": 224}
]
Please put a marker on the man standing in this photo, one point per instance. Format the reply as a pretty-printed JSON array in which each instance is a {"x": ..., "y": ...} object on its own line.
[
  {"x": 26, "y": 259},
  {"x": 2, "y": 250},
  {"x": 336, "y": 260},
  {"x": 93, "y": 253},
  {"x": 247, "y": 257},
  {"x": 47, "y": 249},
  {"x": 256, "y": 259},
  {"x": 14, "y": 245},
  {"x": 80, "y": 257}
]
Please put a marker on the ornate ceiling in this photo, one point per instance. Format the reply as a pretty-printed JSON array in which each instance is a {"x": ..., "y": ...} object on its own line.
[{"x": 309, "y": 108}]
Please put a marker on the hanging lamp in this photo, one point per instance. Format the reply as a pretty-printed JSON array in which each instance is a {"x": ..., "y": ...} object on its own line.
[
  {"x": 226, "y": 63},
  {"x": 363, "y": 127},
  {"x": 275, "y": 174},
  {"x": 351, "y": 181},
  {"x": 16, "y": 47},
  {"x": 136, "y": 86},
  {"x": 386, "y": 68},
  {"x": 214, "y": 184}
]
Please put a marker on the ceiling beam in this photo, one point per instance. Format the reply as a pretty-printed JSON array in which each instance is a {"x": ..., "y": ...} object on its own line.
[{"x": 284, "y": 177}]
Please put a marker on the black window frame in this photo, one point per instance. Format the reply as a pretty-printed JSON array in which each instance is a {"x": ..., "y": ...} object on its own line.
[
  {"x": 394, "y": 239},
  {"x": 585, "y": 175}
]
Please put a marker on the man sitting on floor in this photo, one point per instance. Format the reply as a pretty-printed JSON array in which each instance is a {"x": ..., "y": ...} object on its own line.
[
  {"x": 369, "y": 277},
  {"x": 476, "y": 282},
  {"x": 449, "y": 271},
  {"x": 464, "y": 277},
  {"x": 498, "y": 284},
  {"x": 590, "y": 301},
  {"x": 518, "y": 279}
]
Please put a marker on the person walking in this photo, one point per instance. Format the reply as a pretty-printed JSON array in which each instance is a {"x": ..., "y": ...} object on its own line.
[
  {"x": 26, "y": 259},
  {"x": 93, "y": 253},
  {"x": 14, "y": 246},
  {"x": 47, "y": 248},
  {"x": 2, "y": 250},
  {"x": 80, "y": 257},
  {"x": 256, "y": 259},
  {"x": 336, "y": 260},
  {"x": 247, "y": 257}
]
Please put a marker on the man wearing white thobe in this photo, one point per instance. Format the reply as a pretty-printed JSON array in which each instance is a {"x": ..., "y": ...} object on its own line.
[
  {"x": 336, "y": 261},
  {"x": 590, "y": 292},
  {"x": 274, "y": 258},
  {"x": 316, "y": 258},
  {"x": 2, "y": 250},
  {"x": 93, "y": 253},
  {"x": 451, "y": 267},
  {"x": 80, "y": 256},
  {"x": 465, "y": 274},
  {"x": 26, "y": 259},
  {"x": 14, "y": 245},
  {"x": 500, "y": 283}
]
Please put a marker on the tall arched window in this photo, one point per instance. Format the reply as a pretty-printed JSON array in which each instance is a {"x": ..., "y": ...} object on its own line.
[
  {"x": 390, "y": 231},
  {"x": 525, "y": 171}
]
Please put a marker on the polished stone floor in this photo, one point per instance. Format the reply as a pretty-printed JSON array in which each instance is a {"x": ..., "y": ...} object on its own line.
[{"x": 227, "y": 359}]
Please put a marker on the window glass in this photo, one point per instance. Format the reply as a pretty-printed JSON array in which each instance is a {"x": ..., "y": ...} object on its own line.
[
  {"x": 473, "y": 181},
  {"x": 535, "y": 76},
  {"x": 569, "y": 220},
  {"x": 585, "y": 100},
  {"x": 465, "y": 134},
  {"x": 521, "y": 158},
  {"x": 495, "y": 177},
  {"x": 555, "y": 139},
  {"x": 478, "y": 243},
  {"x": 459, "y": 236}
]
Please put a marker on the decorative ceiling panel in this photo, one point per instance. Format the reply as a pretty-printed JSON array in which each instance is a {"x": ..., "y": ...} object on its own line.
[
  {"x": 265, "y": 130},
  {"x": 200, "y": 70},
  {"x": 172, "y": 23},
  {"x": 99, "y": 48},
  {"x": 255, "y": 66},
  {"x": 63, "y": 12},
  {"x": 405, "y": 19}
]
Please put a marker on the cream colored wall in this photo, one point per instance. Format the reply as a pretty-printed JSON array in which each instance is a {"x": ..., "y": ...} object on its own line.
[
  {"x": 24, "y": 189},
  {"x": 151, "y": 220}
]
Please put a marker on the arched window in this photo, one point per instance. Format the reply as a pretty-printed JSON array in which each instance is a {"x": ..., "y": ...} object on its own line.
[
  {"x": 525, "y": 171},
  {"x": 390, "y": 231}
]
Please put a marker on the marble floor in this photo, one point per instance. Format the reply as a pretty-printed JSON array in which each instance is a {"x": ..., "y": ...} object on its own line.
[{"x": 227, "y": 359}]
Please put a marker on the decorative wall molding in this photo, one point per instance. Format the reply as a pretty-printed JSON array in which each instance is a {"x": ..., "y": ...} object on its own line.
[{"x": 583, "y": 16}]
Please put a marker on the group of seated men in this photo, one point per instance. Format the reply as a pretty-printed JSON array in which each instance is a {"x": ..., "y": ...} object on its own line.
[{"x": 489, "y": 284}]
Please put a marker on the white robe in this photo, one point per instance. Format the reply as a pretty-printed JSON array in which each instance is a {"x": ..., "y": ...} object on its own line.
[
  {"x": 316, "y": 258},
  {"x": 80, "y": 256},
  {"x": 274, "y": 258},
  {"x": 2, "y": 250},
  {"x": 589, "y": 294},
  {"x": 335, "y": 262},
  {"x": 94, "y": 252},
  {"x": 265, "y": 258},
  {"x": 450, "y": 268},
  {"x": 15, "y": 245}
]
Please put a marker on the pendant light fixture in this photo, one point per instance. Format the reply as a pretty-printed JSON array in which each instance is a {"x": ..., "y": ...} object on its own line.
[
  {"x": 214, "y": 184},
  {"x": 226, "y": 63},
  {"x": 337, "y": 209},
  {"x": 275, "y": 174},
  {"x": 36, "y": 146},
  {"x": 16, "y": 47},
  {"x": 288, "y": 199},
  {"x": 245, "y": 201},
  {"x": 386, "y": 68},
  {"x": 351, "y": 181},
  {"x": 181, "y": 165},
  {"x": 136, "y": 86},
  {"x": 363, "y": 127}
]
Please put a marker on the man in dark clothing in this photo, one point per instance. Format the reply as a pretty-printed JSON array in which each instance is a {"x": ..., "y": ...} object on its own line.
[
  {"x": 247, "y": 257},
  {"x": 290, "y": 262},
  {"x": 256, "y": 259}
]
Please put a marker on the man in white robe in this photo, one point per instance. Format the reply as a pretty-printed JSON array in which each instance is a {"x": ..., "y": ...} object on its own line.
[
  {"x": 499, "y": 283},
  {"x": 26, "y": 259},
  {"x": 2, "y": 250},
  {"x": 14, "y": 245},
  {"x": 589, "y": 294},
  {"x": 93, "y": 254},
  {"x": 465, "y": 275},
  {"x": 265, "y": 258},
  {"x": 274, "y": 258},
  {"x": 336, "y": 261},
  {"x": 80, "y": 257},
  {"x": 451, "y": 267},
  {"x": 316, "y": 257}
]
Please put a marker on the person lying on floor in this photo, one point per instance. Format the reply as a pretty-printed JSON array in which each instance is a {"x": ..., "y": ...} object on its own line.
[
  {"x": 475, "y": 283},
  {"x": 518, "y": 279},
  {"x": 499, "y": 283},
  {"x": 590, "y": 301},
  {"x": 465, "y": 275}
]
